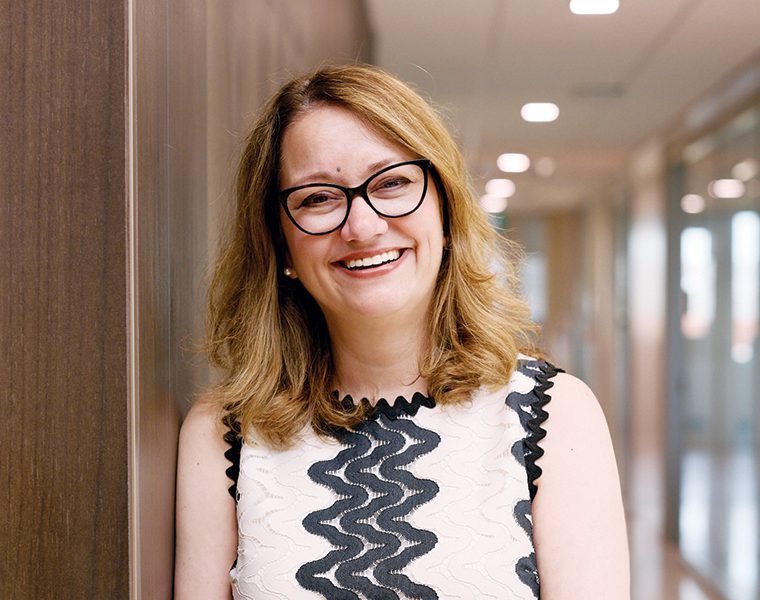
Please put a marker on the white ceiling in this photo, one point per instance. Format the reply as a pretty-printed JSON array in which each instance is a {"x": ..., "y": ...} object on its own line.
[{"x": 618, "y": 79}]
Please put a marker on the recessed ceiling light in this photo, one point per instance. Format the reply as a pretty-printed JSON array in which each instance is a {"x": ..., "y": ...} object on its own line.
[
  {"x": 745, "y": 170},
  {"x": 493, "y": 204},
  {"x": 594, "y": 7},
  {"x": 693, "y": 204},
  {"x": 540, "y": 112},
  {"x": 513, "y": 162},
  {"x": 726, "y": 188},
  {"x": 504, "y": 188},
  {"x": 545, "y": 166}
]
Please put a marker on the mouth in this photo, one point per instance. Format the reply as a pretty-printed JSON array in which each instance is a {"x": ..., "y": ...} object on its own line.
[{"x": 370, "y": 262}]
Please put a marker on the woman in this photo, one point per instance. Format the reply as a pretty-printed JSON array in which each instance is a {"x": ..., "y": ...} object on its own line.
[{"x": 377, "y": 426}]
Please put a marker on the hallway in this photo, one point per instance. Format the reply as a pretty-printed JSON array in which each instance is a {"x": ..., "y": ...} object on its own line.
[{"x": 636, "y": 199}]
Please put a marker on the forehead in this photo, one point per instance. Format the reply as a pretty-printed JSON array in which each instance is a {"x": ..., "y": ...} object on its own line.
[{"x": 331, "y": 141}]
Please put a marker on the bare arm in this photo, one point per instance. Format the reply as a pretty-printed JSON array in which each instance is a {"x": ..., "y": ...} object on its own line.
[
  {"x": 579, "y": 524},
  {"x": 206, "y": 522}
]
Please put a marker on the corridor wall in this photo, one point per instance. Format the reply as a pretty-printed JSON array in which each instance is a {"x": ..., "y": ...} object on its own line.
[
  {"x": 63, "y": 297},
  {"x": 121, "y": 125}
]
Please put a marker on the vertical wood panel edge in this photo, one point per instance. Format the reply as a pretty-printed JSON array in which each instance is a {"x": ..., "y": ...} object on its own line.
[{"x": 135, "y": 592}]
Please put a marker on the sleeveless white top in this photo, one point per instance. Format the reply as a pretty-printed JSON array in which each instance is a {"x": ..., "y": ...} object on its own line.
[{"x": 419, "y": 501}]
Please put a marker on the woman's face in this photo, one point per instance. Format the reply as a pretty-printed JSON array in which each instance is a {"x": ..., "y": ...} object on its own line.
[{"x": 329, "y": 144}]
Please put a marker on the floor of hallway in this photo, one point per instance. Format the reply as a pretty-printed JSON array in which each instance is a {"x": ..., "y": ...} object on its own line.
[{"x": 657, "y": 569}]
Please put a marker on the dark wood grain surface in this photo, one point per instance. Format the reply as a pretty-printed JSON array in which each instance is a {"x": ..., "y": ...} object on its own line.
[{"x": 63, "y": 465}]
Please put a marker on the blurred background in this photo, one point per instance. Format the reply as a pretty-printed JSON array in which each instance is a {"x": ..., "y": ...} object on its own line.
[{"x": 621, "y": 149}]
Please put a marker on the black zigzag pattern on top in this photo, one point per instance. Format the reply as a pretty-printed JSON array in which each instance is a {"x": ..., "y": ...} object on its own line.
[
  {"x": 366, "y": 525},
  {"x": 530, "y": 409},
  {"x": 526, "y": 567}
]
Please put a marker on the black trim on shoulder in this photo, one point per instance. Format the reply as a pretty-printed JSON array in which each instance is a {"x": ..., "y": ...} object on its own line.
[
  {"x": 232, "y": 454},
  {"x": 533, "y": 450},
  {"x": 530, "y": 408}
]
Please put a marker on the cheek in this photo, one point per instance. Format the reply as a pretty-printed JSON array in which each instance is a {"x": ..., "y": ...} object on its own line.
[
  {"x": 290, "y": 241},
  {"x": 436, "y": 217},
  {"x": 304, "y": 253}
]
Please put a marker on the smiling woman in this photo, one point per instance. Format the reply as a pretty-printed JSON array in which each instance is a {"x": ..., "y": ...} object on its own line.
[
  {"x": 383, "y": 411},
  {"x": 393, "y": 214}
]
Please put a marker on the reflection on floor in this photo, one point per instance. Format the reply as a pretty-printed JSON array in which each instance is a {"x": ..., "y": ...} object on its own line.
[
  {"x": 657, "y": 570},
  {"x": 718, "y": 518}
]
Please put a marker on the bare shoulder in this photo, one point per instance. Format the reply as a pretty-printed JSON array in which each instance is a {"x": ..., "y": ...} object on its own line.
[
  {"x": 576, "y": 421},
  {"x": 577, "y": 447},
  {"x": 578, "y": 510},
  {"x": 206, "y": 529},
  {"x": 202, "y": 448},
  {"x": 203, "y": 425}
]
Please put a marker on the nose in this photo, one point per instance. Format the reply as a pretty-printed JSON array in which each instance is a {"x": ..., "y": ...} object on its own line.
[{"x": 363, "y": 223}]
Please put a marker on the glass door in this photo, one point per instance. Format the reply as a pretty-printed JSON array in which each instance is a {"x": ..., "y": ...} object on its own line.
[{"x": 715, "y": 355}]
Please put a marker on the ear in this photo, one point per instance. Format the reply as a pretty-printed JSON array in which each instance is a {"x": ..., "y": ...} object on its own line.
[{"x": 288, "y": 270}]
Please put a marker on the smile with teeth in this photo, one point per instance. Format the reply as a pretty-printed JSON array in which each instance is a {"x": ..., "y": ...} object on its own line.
[{"x": 372, "y": 261}]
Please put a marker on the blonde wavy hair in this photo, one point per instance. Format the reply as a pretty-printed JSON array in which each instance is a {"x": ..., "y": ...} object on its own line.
[{"x": 267, "y": 333}]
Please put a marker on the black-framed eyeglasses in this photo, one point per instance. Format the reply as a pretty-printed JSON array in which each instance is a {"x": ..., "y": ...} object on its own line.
[{"x": 394, "y": 191}]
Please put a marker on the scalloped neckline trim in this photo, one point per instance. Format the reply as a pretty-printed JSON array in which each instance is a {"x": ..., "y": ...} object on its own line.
[{"x": 400, "y": 406}]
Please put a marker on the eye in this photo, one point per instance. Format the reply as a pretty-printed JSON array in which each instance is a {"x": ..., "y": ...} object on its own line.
[
  {"x": 390, "y": 184},
  {"x": 319, "y": 198},
  {"x": 395, "y": 182}
]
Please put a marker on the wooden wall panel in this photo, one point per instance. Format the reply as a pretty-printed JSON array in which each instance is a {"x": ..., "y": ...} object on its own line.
[
  {"x": 63, "y": 431},
  {"x": 252, "y": 48}
]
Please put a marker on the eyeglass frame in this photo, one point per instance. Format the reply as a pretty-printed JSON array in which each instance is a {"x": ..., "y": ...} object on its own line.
[{"x": 359, "y": 190}]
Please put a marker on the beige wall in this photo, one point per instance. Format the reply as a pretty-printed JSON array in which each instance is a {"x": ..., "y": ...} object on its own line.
[
  {"x": 647, "y": 299},
  {"x": 564, "y": 251},
  {"x": 582, "y": 332},
  {"x": 647, "y": 287},
  {"x": 604, "y": 259},
  {"x": 199, "y": 72}
]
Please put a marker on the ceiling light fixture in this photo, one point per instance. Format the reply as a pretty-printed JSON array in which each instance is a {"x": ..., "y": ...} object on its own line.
[
  {"x": 545, "y": 166},
  {"x": 503, "y": 188},
  {"x": 539, "y": 112},
  {"x": 745, "y": 170},
  {"x": 693, "y": 204},
  {"x": 594, "y": 7},
  {"x": 726, "y": 188},
  {"x": 513, "y": 162},
  {"x": 493, "y": 204}
]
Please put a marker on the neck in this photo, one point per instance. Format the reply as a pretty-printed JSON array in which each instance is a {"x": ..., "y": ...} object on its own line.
[{"x": 378, "y": 358}]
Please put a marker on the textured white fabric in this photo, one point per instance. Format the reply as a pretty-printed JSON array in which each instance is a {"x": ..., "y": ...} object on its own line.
[{"x": 478, "y": 539}]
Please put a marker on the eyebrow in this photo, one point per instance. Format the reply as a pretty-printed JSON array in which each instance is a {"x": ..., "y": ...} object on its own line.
[{"x": 327, "y": 177}]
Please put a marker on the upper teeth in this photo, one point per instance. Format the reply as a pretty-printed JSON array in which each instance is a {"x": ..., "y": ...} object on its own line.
[{"x": 373, "y": 260}]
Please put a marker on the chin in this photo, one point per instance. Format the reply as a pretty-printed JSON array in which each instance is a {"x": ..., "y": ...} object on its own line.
[{"x": 376, "y": 305}]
